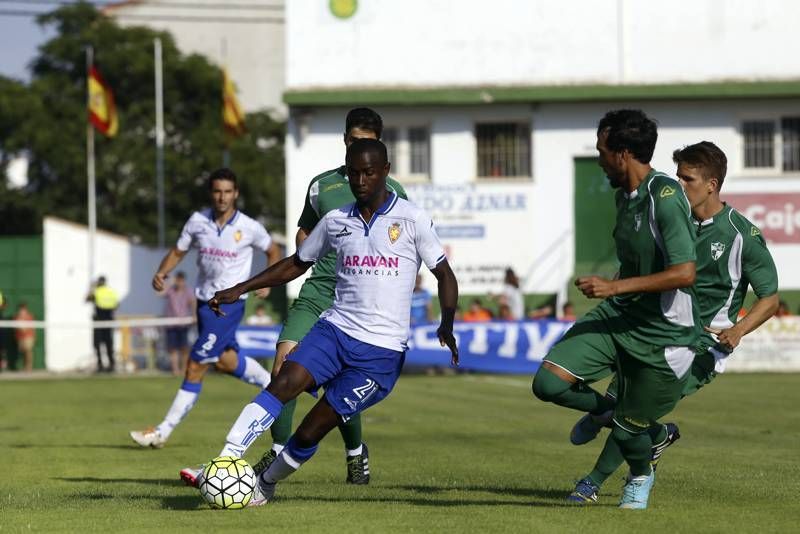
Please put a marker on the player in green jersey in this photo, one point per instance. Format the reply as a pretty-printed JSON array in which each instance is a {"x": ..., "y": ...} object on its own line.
[
  {"x": 326, "y": 192},
  {"x": 648, "y": 324},
  {"x": 731, "y": 255}
]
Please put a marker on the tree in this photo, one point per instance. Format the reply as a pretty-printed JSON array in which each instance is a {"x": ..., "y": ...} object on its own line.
[{"x": 48, "y": 121}]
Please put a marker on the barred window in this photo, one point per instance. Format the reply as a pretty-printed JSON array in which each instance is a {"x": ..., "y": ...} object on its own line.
[
  {"x": 408, "y": 148},
  {"x": 419, "y": 145},
  {"x": 759, "y": 141},
  {"x": 790, "y": 137},
  {"x": 504, "y": 149}
]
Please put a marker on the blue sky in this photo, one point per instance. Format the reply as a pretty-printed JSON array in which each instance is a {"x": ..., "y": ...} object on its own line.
[{"x": 21, "y": 38}]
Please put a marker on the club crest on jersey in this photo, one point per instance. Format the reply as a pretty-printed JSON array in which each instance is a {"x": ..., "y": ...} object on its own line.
[
  {"x": 637, "y": 221},
  {"x": 394, "y": 232},
  {"x": 667, "y": 191},
  {"x": 237, "y": 236},
  {"x": 716, "y": 250},
  {"x": 344, "y": 232}
]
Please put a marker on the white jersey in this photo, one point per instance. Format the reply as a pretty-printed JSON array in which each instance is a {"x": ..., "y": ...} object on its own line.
[
  {"x": 376, "y": 267},
  {"x": 224, "y": 255}
]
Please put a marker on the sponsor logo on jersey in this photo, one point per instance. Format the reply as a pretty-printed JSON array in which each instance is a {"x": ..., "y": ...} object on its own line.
[
  {"x": 394, "y": 232},
  {"x": 667, "y": 191},
  {"x": 344, "y": 232},
  {"x": 212, "y": 251},
  {"x": 637, "y": 221},
  {"x": 333, "y": 186},
  {"x": 237, "y": 236},
  {"x": 716, "y": 250},
  {"x": 371, "y": 261}
]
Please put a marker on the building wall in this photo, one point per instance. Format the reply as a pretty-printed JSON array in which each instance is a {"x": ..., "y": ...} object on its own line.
[
  {"x": 537, "y": 241},
  {"x": 250, "y": 42},
  {"x": 419, "y": 43}
]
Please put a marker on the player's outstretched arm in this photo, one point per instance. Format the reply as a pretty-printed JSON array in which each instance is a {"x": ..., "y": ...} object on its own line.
[
  {"x": 673, "y": 277},
  {"x": 170, "y": 261},
  {"x": 763, "y": 309},
  {"x": 282, "y": 272},
  {"x": 448, "y": 299}
]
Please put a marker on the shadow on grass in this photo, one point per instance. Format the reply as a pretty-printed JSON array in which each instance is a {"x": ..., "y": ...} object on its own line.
[
  {"x": 131, "y": 447},
  {"x": 536, "y": 493},
  {"x": 94, "y": 480}
]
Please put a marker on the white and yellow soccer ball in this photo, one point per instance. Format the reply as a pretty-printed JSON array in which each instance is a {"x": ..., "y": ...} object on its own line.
[{"x": 228, "y": 483}]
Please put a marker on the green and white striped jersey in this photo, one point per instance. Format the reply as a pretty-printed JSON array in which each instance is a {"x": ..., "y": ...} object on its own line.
[
  {"x": 653, "y": 231},
  {"x": 731, "y": 255}
]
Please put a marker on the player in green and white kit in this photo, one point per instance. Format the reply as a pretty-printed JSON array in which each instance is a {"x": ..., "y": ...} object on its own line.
[
  {"x": 649, "y": 324},
  {"x": 731, "y": 255},
  {"x": 327, "y": 191}
]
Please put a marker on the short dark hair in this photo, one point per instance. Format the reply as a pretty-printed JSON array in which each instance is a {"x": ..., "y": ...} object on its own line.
[
  {"x": 362, "y": 146},
  {"x": 706, "y": 156},
  {"x": 631, "y": 130},
  {"x": 222, "y": 173},
  {"x": 180, "y": 274},
  {"x": 365, "y": 119}
]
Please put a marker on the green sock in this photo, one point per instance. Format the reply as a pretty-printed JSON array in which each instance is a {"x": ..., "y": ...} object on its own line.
[
  {"x": 610, "y": 460},
  {"x": 281, "y": 429},
  {"x": 351, "y": 432},
  {"x": 550, "y": 388},
  {"x": 635, "y": 448}
]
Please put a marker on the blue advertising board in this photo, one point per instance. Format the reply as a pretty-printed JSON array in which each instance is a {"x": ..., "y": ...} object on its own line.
[{"x": 515, "y": 347}]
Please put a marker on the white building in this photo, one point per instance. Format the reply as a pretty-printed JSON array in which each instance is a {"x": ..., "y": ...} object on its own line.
[
  {"x": 247, "y": 37},
  {"x": 491, "y": 112}
]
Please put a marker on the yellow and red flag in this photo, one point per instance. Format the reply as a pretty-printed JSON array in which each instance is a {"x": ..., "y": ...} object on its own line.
[
  {"x": 102, "y": 111},
  {"x": 232, "y": 115}
]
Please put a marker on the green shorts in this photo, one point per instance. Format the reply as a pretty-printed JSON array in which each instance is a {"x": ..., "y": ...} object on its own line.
[
  {"x": 651, "y": 377},
  {"x": 303, "y": 314},
  {"x": 701, "y": 374}
]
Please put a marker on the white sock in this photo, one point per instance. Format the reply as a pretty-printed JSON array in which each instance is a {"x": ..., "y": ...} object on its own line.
[
  {"x": 283, "y": 466},
  {"x": 252, "y": 422},
  {"x": 278, "y": 448},
  {"x": 355, "y": 452},
  {"x": 183, "y": 403},
  {"x": 255, "y": 374}
]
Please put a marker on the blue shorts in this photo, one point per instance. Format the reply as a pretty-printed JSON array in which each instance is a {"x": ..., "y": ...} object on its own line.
[
  {"x": 177, "y": 337},
  {"x": 355, "y": 375},
  {"x": 215, "y": 334}
]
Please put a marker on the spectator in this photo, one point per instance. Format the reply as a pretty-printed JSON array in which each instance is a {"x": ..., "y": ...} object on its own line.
[
  {"x": 26, "y": 337},
  {"x": 513, "y": 295},
  {"x": 105, "y": 302},
  {"x": 421, "y": 307},
  {"x": 504, "y": 312},
  {"x": 568, "y": 312},
  {"x": 783, "y": 309},
  {"x": 542, "y": 312},
  {"x": 476, "y": 313},
  {"x": 180, "y": 302},
  {"x": 259, "y": 317}
]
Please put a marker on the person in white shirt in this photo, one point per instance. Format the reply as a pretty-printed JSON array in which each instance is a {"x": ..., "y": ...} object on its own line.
[
  {"x": 225, "y": 239},
  {"x": 356, "y": 350}
]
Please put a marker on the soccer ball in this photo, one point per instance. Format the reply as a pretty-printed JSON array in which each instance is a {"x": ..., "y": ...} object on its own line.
[{"x": 227, "y": 482}]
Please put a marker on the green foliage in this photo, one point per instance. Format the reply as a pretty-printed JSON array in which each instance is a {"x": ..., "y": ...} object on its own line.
[
  {"x": 47, "y": 121},
  {"x": 465, "y": 453}
]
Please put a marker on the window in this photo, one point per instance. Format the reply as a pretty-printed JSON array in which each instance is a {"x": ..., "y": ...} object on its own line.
[
  {"x": 504, "y": 150},
  {"x": 772, "y": 144},
  {"x": 409, "y": 151}
]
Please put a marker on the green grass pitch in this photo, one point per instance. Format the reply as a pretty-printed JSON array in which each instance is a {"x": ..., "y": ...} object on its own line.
[{"x": 463, "y": 453}]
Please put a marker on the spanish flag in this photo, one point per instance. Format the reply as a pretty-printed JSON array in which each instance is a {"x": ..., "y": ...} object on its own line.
[
  {"x": 102, "y": 111},
  {"x": 232, "y": 115}
]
